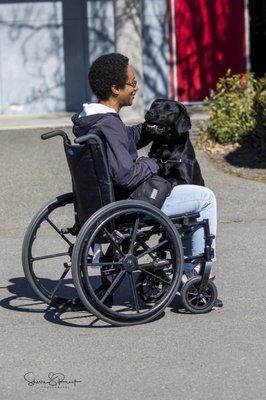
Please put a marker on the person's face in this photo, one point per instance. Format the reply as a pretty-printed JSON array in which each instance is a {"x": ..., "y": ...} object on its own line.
[{"x": 125, "y": 95}]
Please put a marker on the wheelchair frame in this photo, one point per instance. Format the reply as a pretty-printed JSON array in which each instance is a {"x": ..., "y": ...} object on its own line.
[{"x": 153, "y": 284}]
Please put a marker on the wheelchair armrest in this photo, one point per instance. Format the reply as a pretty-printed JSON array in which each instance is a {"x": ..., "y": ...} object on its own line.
[
  {"x": 51, "y": 134},
  {"x": 186, "y": 216},
  {"x": 187, "y": 220}
]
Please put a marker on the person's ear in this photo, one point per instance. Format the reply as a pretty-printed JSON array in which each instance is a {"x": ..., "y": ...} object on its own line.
[
  {"x": 115, "y": 90},
  {"x": 183, "y": 123}
]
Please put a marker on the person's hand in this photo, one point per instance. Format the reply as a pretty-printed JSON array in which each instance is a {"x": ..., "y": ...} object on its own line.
[{"x": 138, "y": 160}]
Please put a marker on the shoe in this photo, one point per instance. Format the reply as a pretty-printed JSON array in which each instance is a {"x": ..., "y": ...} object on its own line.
[
  {"x": 184, "y": 279},
  {"x": 190, "y": 274},
  {"x": 218, "y": 304}
]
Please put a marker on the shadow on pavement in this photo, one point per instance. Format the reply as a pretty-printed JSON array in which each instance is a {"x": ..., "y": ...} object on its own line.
[
  {"x": 23, "y": 299},
  {"x": 247, "y": 157},
  {"x": 24, "y": 296}
]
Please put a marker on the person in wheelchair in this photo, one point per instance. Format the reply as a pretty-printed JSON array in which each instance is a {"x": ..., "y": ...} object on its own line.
[
  {"x": 127, "y": 257},
  {"x": 112, "y": 80}
]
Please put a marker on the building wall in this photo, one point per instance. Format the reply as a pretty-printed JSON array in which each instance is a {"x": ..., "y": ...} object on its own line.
[
  {"x": 31, "y": 58},
  {"x": 155, "y": 50},
  {"x": 46, "y": 48}
]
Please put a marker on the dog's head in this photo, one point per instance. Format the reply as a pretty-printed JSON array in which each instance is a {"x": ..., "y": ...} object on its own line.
[{"x": 168, "y": 116}]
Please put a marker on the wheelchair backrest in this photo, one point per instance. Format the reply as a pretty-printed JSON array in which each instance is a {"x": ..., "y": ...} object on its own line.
[{"x": 92, "y": 184}]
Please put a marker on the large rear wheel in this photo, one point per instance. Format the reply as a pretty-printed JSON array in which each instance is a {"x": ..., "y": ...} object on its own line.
[
  {"x": 131, "y": 236},
  {"x": 47, "y": 250}
]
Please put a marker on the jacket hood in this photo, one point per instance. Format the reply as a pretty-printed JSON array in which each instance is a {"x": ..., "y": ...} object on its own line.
[
  {"x": 95, "y": 108},
  {"x": 91, "y": 122}
]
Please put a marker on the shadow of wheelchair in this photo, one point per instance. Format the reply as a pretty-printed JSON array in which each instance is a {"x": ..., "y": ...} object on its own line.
[
  {"x": 87, "y": 320},
  {"x": 23, "y": 296},
  {"x": 24, "y": 299}
]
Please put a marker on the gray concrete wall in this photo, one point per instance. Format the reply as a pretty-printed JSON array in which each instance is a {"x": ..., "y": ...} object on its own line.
[
  {"x": 46, "y": 48},
  {"x": 31, "y": 58},
  {"x": 128, "y": 41},
  {"x": 101, "y": 30},
  {"x": 155, "y": 50}
]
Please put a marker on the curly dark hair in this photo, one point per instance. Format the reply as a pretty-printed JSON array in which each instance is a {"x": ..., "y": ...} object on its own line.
[{"x": 106, "y": 71}]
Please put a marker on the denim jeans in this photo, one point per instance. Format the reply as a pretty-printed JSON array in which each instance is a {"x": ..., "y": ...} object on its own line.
[{"x": 193, "y": 198}]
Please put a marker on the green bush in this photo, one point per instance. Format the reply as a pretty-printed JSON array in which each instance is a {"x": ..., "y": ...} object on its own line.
[
  {"x": 260, "y": 115},
  {"x": 236, "y": 109}
]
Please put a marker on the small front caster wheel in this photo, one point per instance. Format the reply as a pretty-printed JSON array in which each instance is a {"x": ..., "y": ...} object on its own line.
[{"x": 196, "y": 301}]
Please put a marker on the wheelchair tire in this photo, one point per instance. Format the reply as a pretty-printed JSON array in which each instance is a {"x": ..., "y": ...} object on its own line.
[
  {"x": 126, "y": 226},
  {"x": 43, "y": 280},
  {"x": 196, "y": 302}
]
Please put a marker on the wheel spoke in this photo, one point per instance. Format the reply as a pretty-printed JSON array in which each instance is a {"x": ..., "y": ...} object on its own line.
[
  {"x": 113, "y": 241},
  {"x": 146, "y": 235},
  {"x": 102, "y": 264},
  {"x": 58, "y": 231},
  {"x": 145, "y": 246},
  {"x": 193, "y": 298},
  {"x": 114, "y": 285},
  {"x": 134, "y": 233},
  {"x": 60, "y": 282},
  {"x": 151, "y": 249},
  {"x": 154, "y": 276},
  {"x": 49, "y": 256},
  {"x": 135, "y": 296},
  {"x": 147, "y": 265},
  {"x": 193, "y": 293}
]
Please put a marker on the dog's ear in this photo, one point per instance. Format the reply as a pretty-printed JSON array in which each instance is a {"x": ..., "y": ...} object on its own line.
[{"x": 183, "y": 123}]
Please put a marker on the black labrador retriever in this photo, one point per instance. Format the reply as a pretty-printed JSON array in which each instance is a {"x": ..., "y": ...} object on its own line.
[{"x": 169, "y": 123}]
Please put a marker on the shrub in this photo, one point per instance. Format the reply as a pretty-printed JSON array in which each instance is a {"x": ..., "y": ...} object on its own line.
[
  {"x": 260, "y": 115},
  {"x": 232, "y": 115}
]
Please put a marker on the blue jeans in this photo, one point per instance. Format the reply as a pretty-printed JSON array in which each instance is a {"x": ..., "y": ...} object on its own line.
[{"x": 193, "y": 198}]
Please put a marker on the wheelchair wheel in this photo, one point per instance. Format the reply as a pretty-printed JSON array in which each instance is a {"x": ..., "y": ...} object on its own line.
[
  {"x": 194, "y": 300},
  {"x": 149, "y": 287},
  {"x": 46, "y": 253},
  {"x": 132, "y": 235}
]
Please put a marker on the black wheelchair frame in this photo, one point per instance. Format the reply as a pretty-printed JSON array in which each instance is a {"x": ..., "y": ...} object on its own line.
[{"x": 116, "y": 287}]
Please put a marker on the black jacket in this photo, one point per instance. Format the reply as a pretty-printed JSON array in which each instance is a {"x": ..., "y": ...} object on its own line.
[{"x": 126, "y": 170}]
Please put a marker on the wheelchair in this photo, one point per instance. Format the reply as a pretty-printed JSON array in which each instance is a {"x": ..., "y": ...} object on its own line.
[{"x": 125, "y": 256}]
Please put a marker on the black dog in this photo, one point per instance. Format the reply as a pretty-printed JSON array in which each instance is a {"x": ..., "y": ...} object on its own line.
[{"x": 169, "y": 123}]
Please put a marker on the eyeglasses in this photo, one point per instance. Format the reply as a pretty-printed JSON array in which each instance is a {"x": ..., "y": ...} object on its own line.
[{"x": 132, "y": 84}]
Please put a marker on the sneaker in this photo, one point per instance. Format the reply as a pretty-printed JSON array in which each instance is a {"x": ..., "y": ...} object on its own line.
[
  {"x": 218, "y": 304},
  {"x": 190, "y": 274}
]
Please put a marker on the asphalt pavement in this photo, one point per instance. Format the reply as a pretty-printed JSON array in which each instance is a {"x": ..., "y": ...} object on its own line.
[{"x": 220, "y": 355}]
